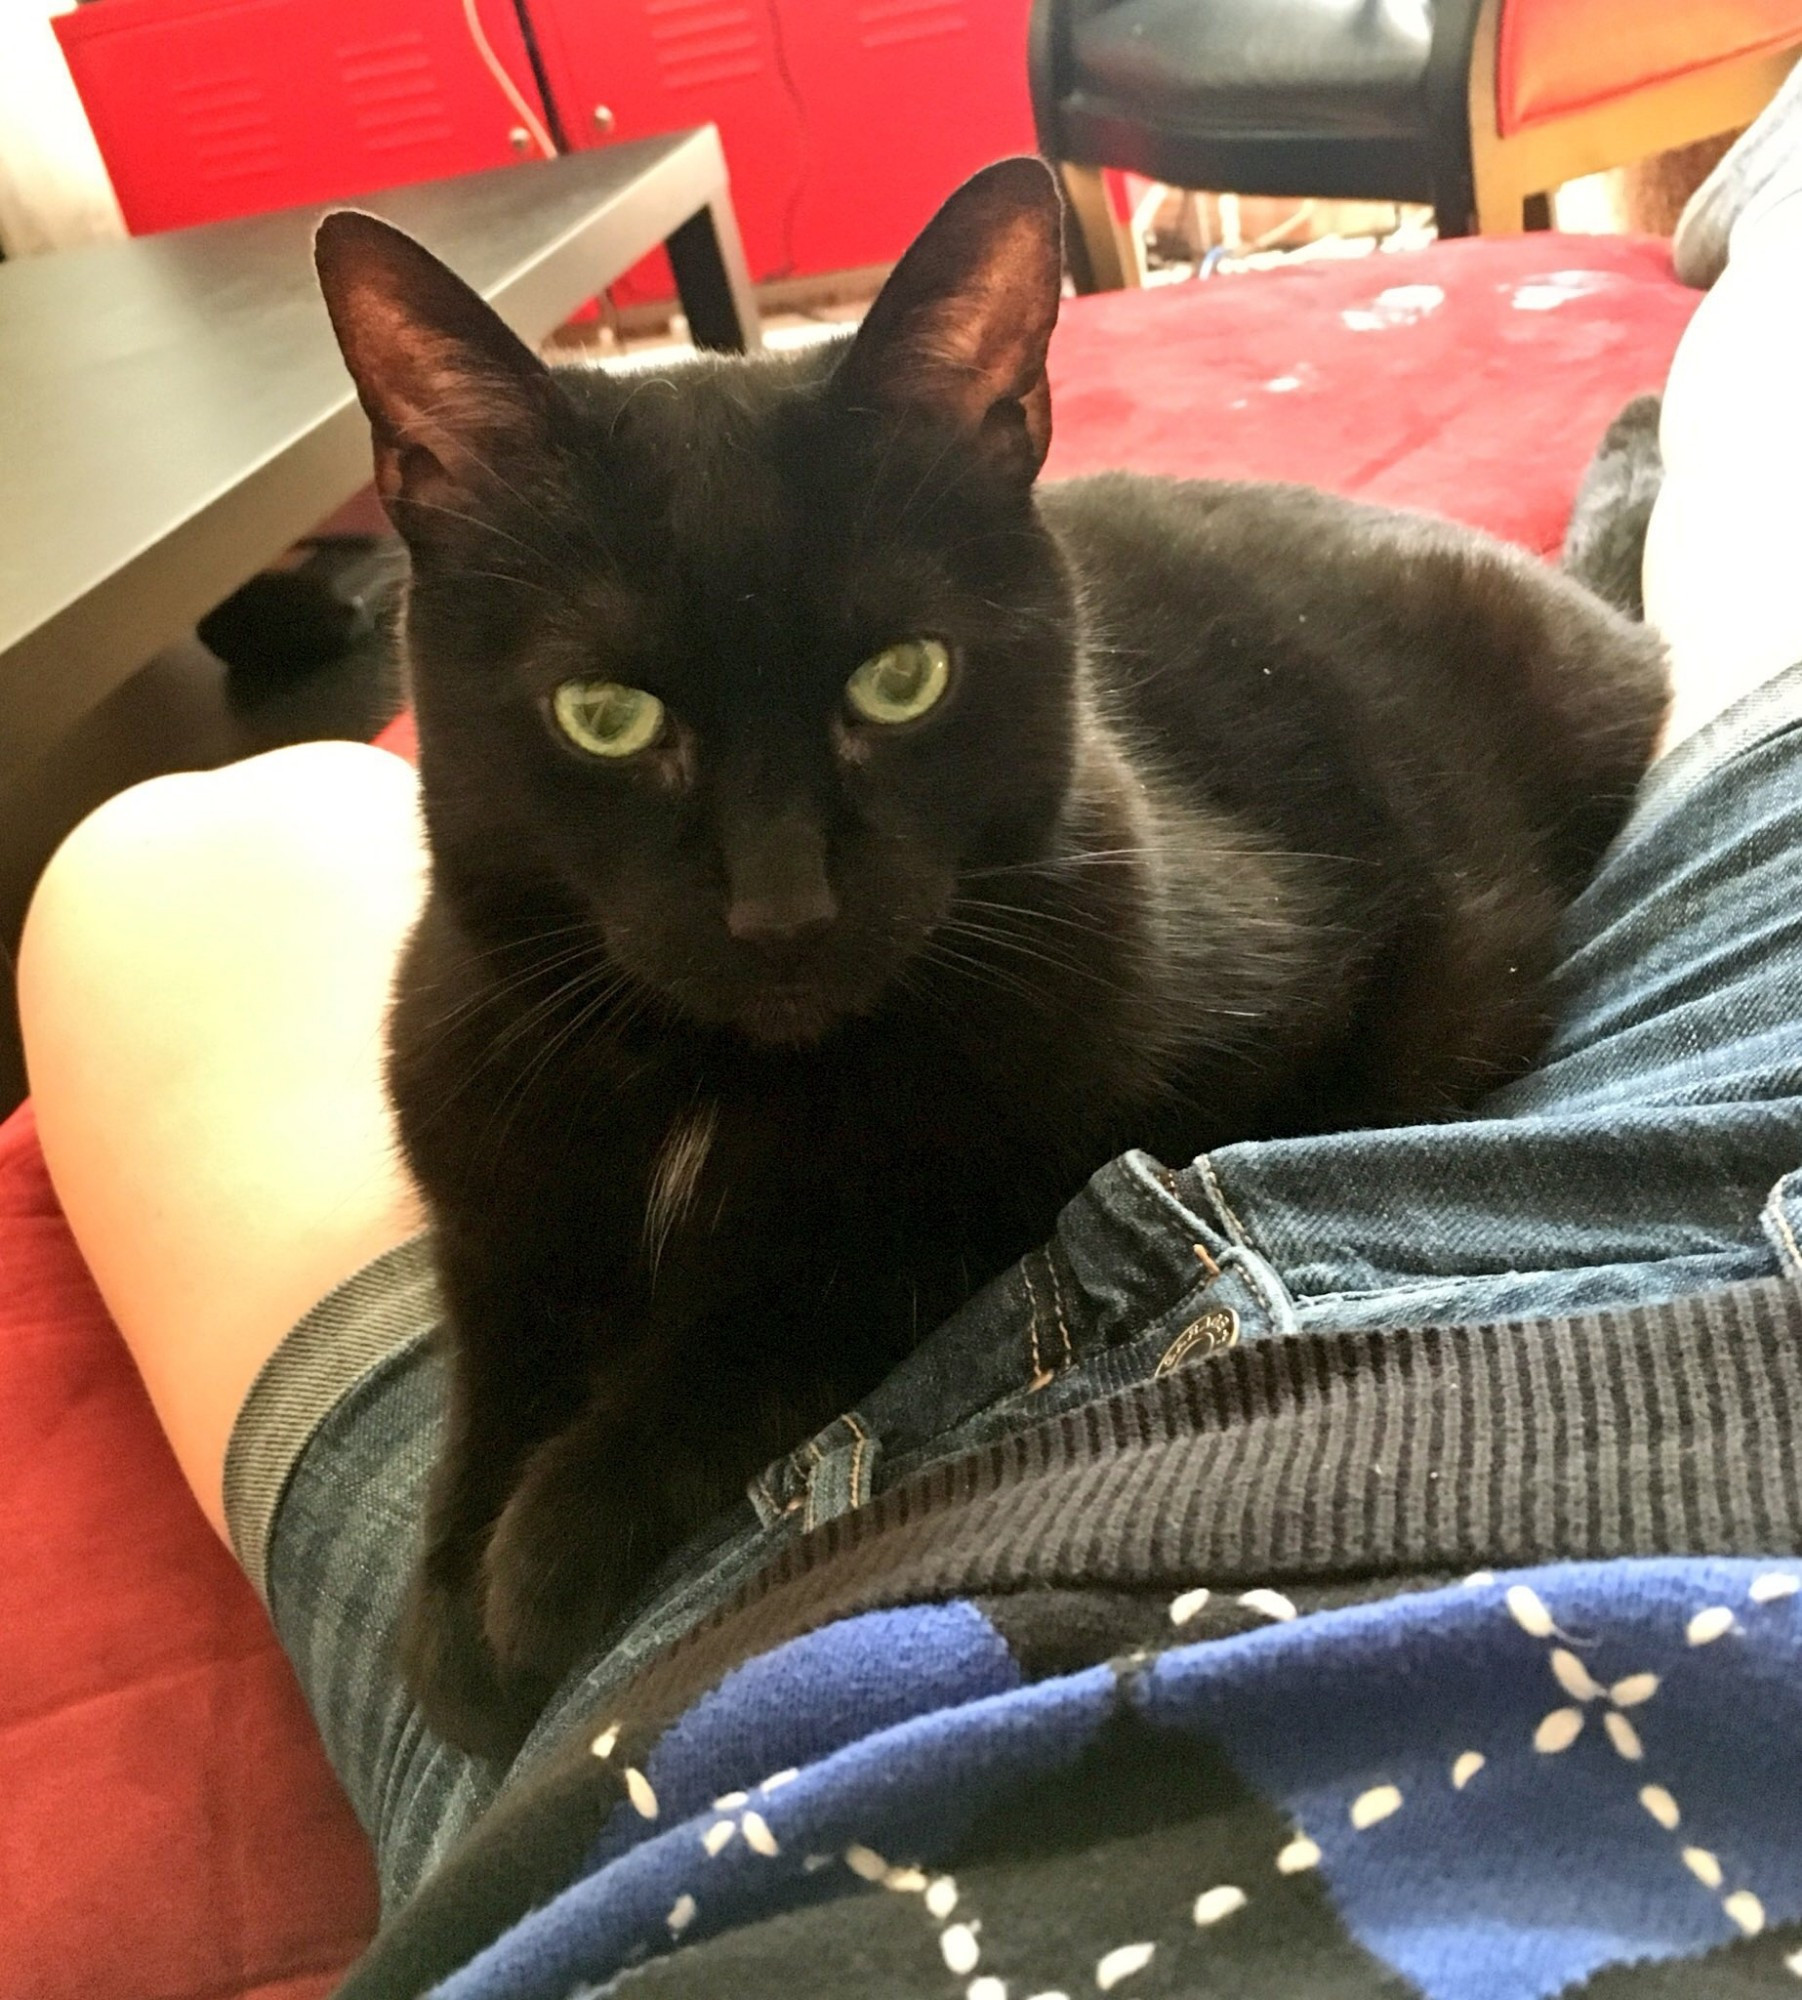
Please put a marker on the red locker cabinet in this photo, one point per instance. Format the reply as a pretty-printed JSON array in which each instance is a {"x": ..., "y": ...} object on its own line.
[
  {"x": 623, "y": 69},
  {"x": 845, "y": 122},
  {"x": 904, "y": 99},
  {"x": 211, "y": 108}
]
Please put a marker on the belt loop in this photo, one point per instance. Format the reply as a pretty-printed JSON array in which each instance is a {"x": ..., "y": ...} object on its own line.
[{"x": 831, "y": 1474}]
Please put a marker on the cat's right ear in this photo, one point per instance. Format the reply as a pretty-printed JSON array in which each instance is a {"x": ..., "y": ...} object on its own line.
[
  {"x": 447, "y": 387},
  {"x": 960, "y": 332}
]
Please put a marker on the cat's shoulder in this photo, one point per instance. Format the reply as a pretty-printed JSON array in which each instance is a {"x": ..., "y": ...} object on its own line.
[
  {"x": 1271, "y": 549},
  {"x": 1238, "y": 517}
]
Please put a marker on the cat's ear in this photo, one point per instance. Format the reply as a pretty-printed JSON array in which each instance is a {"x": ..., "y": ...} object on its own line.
[
  {"x": 445, "y": 384},
  {"x": 961, "y": 329}
]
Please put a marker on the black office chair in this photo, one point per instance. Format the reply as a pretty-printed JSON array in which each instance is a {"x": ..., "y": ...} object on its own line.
[{"x": 1385, "y": 100}]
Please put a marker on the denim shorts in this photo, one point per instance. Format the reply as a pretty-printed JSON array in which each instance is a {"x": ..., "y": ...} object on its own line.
[{"x": 1652, "y": 1152}]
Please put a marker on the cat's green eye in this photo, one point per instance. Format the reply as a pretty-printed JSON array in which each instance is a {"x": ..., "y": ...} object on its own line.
[
  {"x": 901, "y": 682},
  {"x": 606, "y": 719}
]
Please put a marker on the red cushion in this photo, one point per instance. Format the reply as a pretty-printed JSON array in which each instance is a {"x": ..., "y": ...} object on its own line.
[
  {"x": 170, "y": 1828},
  {"x": 401, "y": 737},
  {"x": 1555, "y": 57},
  {"x": 1474, "y": 379},
  {"x": 171, "y": 1831}
]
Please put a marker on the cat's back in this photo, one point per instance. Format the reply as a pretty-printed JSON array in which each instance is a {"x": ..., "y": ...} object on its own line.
[{"x": 1277, "y": 644}]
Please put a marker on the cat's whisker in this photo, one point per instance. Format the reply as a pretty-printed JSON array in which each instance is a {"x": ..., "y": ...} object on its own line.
[
  {"x": 491, "y": 993},
  {"x": 475, "y": 521},
  {"x": 545, "y": 1007},
  {"x": 642, "y": 387},
  {"x": 874, "y": 493},
  {"x": 979, "y": 934},
  {"x": 1057, "y": 865},
  {"x": 516, "y": 582},
  {"x": 925, "y": 478},
  {"x": 517, "y": 1095},
  {"x": 1030, "y": 915},
  {"x": 981, "y": 971},
  {"x": 484, "y": 1061}
]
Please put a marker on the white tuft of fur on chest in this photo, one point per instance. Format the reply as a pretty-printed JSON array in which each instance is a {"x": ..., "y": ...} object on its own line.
[{"x": 676, "y": 1175}]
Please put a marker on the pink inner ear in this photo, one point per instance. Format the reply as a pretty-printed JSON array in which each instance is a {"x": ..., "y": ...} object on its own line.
[
  {"x": 439, "y": 412},
  {"x": 988, "y": 339},
  {"x": 962, "y": 328},
  {"x": 413, "y": 381}
]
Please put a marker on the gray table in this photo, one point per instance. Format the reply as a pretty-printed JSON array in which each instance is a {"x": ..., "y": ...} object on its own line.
[{"x": 174, "y": 413}]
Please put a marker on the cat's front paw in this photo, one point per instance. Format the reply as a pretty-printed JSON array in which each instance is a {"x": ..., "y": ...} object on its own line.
[
  {"x": 572, "y": 1546},
  {"x": 452, "y": 1672}
]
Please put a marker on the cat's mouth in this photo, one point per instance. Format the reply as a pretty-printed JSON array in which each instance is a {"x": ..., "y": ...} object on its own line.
[{"x": 787, "y": 1014}]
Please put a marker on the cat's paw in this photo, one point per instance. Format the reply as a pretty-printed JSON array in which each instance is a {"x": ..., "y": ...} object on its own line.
[
  {"x": 449, "y": 1667},
  {"x": 569, "y": 1550}
]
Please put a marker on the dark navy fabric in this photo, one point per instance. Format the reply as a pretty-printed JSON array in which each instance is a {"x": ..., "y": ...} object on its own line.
[{"x": 1503, "y": 1786}]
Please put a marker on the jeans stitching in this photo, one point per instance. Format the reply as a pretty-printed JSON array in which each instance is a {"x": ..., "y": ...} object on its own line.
[
  {"x": 1216, "y": 1194},
  {"x": 1776, "y": 1210},
  {"x": 857, "y": 1450},
  {"x": 1040, "y": 1374},
  {"x": 1276, "y": 1302},
  {"x": 1057, "y": 1304}
]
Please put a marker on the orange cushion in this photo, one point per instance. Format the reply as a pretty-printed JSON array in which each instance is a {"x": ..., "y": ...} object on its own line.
[{"x": 1560, "y": 56}]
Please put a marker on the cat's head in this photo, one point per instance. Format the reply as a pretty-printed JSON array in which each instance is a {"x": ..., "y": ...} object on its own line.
[{"x": 742, "y": 662}]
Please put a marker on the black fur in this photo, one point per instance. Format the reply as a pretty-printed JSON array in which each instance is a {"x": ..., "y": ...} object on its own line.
[
  {"x": 1605, "y": 544},
  {"x": 1248, "y": 811}
]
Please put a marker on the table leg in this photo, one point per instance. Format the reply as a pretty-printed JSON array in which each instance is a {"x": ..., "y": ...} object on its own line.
[{"x": 712, "y": 281}]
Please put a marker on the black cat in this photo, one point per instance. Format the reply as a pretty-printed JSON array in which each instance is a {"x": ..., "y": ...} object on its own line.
[{"x": 840, "y": 850}]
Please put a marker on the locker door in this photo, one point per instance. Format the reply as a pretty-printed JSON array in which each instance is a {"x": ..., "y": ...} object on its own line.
[
  {"x": 625, "y": 69},
  {"x": 204, "y": 111},
  {"x": 904, "y": 99}
]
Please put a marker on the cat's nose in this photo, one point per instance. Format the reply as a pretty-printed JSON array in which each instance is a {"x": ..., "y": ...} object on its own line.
[
  {"x": 777, "y": 891},
  {"x": 783, "y": 919}
]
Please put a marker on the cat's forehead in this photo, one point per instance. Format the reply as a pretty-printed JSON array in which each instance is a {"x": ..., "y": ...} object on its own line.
[
  {"x": 731, "y": 505},
  {"x": 686, "y": 469}
]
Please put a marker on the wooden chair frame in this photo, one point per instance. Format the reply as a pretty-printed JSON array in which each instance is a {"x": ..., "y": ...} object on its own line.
[
  {"x": 1477, "y": 178},
  {"x": 1508, "y": 172}
]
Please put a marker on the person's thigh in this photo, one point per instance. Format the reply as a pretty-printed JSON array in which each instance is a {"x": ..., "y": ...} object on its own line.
[
  {"x": 203, "y": 983},
  {"x": 1721, "y": 581}
]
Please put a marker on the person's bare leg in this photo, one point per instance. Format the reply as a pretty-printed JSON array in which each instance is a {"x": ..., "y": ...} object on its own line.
[
  {"x": 203, "y": 981},
  {"x": 1723, "y": 566}
]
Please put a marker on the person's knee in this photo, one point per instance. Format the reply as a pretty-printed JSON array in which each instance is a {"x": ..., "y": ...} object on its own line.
[{"x": 197, "y": 858}]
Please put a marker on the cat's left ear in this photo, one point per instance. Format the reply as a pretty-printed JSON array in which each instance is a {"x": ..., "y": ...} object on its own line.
[
  {"x": 447, "y": 386},
  {"x": 961, "y": 329}
]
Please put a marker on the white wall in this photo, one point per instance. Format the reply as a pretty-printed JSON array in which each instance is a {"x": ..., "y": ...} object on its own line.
[{"x": 53, "y": 187}]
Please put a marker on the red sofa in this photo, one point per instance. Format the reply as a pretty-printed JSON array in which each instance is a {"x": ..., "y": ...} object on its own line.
[{"x": 169, "y": 1829}]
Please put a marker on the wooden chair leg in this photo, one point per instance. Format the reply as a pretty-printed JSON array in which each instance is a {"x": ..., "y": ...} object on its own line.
[
  {"x": 1501, "y": 205},
  {"x": 1101, "y": 259}
]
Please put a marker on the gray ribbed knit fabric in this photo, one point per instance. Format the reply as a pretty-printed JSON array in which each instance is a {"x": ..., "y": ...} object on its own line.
[{"x": 1668, "y": 1429}]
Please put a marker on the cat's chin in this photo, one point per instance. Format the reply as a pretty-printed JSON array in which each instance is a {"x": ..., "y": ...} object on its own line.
[{"x": 787, "y": 1017}]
